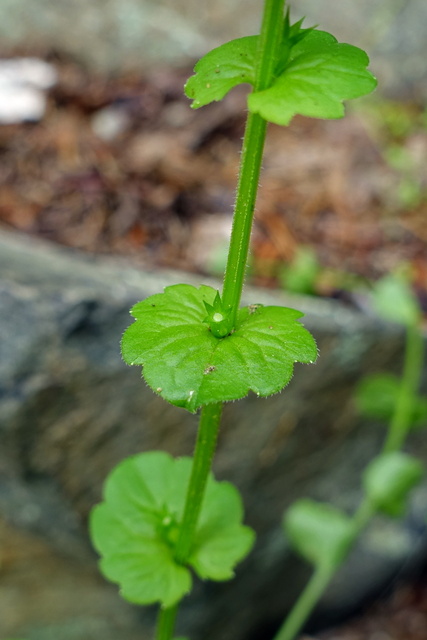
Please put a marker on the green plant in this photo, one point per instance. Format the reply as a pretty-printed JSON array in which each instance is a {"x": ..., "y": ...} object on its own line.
[
  {"x": 198, "y": 349},
  {"x": 322, "y": 534},
  {"x": 301, "y": 274},
  {"x": 304, "y": 274},
  {"x": 396, "y": 125}
]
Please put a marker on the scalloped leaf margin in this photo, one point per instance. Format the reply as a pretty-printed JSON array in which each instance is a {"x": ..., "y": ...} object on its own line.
[
  {"x": 314, "y": 75},
  {"x": 189, "y": 367},
  {"x": 136, "y": 527}
]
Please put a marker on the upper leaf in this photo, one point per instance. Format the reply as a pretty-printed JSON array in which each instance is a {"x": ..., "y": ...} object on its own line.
[
  {"x": 136, "y": 529},
  {"x": 314, "y": 74},
  {"x": 318, "y": 531},
  {"x": 222, "y": 69},
  {"x": 320, "y": 74},
  {"x": 190, "y": 367}
]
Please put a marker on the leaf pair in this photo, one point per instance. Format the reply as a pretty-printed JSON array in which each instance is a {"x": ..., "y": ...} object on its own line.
[
  {"x": 314, "y": 74},
  {"x": 136, "y": 528},
  {"x": 189, "y": 366}
]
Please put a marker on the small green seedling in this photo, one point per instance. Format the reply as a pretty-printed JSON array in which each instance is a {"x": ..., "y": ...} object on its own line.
[
  {"x": 161, "y": 518},
  {"x": 322, "y": 534},
  {"x": 301, "y": 274}
]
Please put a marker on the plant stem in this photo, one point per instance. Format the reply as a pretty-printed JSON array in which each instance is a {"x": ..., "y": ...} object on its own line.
[
  {"x": 250, "y": 167},
  {"x": 361, "y": 519},
  {"x": 250, "y": 164},
  {"x": 166, "y": 623},
  {"x": 205, "y": 448},
  {"x": 210, "y": 418},
  {"x": 305, "y": 603},
  {"x": 270, "y": 39},
  {"x": 412, "y": 368}
]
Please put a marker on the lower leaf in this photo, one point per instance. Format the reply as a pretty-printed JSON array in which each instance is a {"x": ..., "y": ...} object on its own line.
[{"x": 136, "y": 528}]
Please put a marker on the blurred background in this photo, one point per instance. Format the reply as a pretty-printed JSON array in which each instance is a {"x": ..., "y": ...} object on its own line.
[
  {"x": 101, "y": 152},
  {"x": 110, "y": 186}
]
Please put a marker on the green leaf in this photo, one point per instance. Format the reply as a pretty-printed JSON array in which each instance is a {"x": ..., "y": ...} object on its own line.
[
  {"x": 319, "y": 532},
  {"x": 190, "y": 367},
  {"x": 376, "y": 397},
  {"x": 320, "y": 74},
  {"x": 389, "y": 478},
  {"x": 142, "y": 498},
  {"x": 222, "y": 69},
  {"x": 136, "y": 528},
  {"x": 314, "y": 74},
  {"x": 394, "y": 300},
  {"x": 221, "y": 541}
]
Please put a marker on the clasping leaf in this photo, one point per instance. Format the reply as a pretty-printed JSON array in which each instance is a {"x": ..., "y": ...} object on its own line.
[
  {"x": 313, "y": 75},
  {"x": 319, "y": 75},
  {"x": 185, "y": 363},
  {"x": 135, "y": 529}
]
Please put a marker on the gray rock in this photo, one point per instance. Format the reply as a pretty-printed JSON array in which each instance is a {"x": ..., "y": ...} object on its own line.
[
  {"x": 70, "y": 410},
  {"x": 112, "y": 34}
]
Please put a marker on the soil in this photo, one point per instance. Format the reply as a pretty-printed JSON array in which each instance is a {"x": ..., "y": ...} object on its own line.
[{"x": 123, "y": 166}]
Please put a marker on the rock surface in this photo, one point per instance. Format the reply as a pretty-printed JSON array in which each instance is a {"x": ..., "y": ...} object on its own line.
[
  {"x": 70, "y": 410},
  {"x": 112, "y": 34}
]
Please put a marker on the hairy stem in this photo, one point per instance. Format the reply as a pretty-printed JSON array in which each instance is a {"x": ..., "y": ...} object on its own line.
[
  {"x": 210, "y": 418},
  {"x": 252, "y": 149},
  {"x": 250, "y": 164},
  {"x": 205, "y": 448}
]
